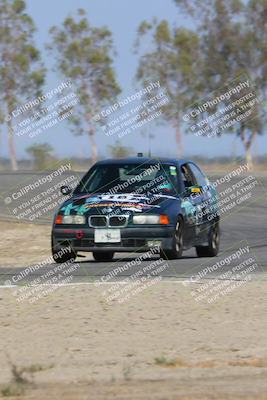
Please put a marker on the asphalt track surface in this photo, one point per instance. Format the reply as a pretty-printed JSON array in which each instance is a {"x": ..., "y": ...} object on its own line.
[{"x": 244, "y": 225}]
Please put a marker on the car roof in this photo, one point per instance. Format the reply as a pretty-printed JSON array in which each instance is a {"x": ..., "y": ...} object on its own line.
[{"x": 142, "y": 160}]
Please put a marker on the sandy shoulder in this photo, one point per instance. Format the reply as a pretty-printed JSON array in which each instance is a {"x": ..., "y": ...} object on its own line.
[
  {"x": 159, "y": 345},
  {"x": 23, "y": 244}
]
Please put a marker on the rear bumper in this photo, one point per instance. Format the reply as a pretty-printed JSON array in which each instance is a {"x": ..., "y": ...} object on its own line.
[{"x": 132, "y": 239}]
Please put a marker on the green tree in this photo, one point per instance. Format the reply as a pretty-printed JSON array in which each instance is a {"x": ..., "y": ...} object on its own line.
[
  {"x": 119, "y": 151},
  {"x": 84, "y": 55},
  {"x": 41, "y": 154},
  {"x": 174, "y": 58},
  {"x": 21, "y": 74},
  {"x": 232, "y": 34}
]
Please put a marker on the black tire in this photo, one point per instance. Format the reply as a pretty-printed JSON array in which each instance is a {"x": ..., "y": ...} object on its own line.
[
  {"x": 60, "y": 255},
  {"x": 177, "y": 243},
  {"x": 103, "y": 255},
  {"x": 214, "y": 243}
]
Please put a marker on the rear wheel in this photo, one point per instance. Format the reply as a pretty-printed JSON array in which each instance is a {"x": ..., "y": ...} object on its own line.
[
  {"x": 213, "y": 243},
  {"x": 177, "y": 243},
  {"x": 103, "y": 255}
]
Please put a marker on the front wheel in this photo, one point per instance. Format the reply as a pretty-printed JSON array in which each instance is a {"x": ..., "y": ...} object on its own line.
[
  {"x": 177, "y": 243},
  {"x": 103, "y": 255},
  {"x": 213, "y": 243},
  {"x": 63, "y": 254}
]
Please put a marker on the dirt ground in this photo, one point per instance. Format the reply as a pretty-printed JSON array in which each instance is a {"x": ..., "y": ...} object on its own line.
[
  {"x": 159, "y": 345},
  {"x": 23, "y": 244}
]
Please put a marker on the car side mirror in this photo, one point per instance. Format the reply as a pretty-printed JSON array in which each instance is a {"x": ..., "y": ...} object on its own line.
[
  {"x": 65, "y": 190},
  {"x": 193, "y": 190}
]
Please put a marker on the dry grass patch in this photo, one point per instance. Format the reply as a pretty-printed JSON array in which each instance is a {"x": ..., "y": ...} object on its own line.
[{"x": 252, "y": 362}]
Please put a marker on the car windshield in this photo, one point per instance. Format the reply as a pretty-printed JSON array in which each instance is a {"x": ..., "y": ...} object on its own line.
[{"x": 130, "y": 178}]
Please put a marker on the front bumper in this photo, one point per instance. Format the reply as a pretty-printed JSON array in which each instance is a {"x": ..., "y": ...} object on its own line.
[{"x": 133, "y": 239}]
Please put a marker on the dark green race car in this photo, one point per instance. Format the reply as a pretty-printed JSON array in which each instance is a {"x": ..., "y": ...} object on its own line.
[{"x": 136, "y": 204}]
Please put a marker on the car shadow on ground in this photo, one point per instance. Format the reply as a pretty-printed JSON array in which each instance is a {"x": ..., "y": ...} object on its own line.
[{"x": 129, "y": 259}]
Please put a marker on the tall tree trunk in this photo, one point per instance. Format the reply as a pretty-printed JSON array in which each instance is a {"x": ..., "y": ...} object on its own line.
[
  {"x": 179, "y": 139},
  {"x": 1, "y": 147},
  {"x": 94, "y": 152},
  {"x": 11, "y": 147},
  {"x": 249, "y": 157},
  {"x": 247, "y": 142}
]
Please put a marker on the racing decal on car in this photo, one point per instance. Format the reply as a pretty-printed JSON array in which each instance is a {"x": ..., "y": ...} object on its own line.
[
  {"x": 121, "y": 198},
  {"x": 121, "y": 205},
  {"x": 189, "y": 210},
  {"x": 81, "y": 206}
]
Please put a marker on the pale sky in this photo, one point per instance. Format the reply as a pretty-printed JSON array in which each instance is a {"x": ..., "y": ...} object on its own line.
[{"x": 122, "y": 17}]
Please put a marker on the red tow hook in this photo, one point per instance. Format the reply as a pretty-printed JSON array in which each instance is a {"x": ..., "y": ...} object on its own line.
[{"x": 79, "y": 234}]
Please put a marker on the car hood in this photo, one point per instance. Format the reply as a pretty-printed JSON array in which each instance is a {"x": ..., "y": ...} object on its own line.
[{"x": 123, "y": 203}]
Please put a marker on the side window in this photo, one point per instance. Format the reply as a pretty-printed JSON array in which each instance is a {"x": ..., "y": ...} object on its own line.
[
  {"x": 187, "y": 176},
  {"x": 200, "y": 178},
  {"x": 171, "y": 175}
]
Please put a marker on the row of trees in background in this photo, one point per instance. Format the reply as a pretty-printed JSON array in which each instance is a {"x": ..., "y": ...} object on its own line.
[
  {"x": 83, "y": 55},
  {"x": 228, "y": 40},
  {"x": 21, "y": 72},
  {"x": 42, "y": 154}
]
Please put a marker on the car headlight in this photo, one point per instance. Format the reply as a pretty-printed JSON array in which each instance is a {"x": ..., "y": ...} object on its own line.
[
  {"x": 72, "y": 219},
  {"x": 150, "y": 219},
  {"x": 79, "y": 219},
  {"x": 67, "y": 219}
]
